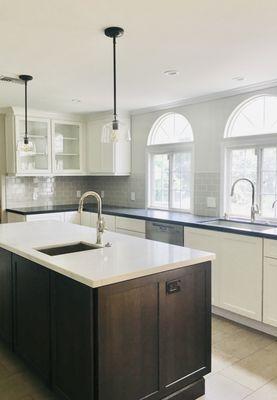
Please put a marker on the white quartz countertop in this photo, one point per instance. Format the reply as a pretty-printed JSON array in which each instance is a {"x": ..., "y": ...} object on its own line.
[{"x": 128, "y": 257}]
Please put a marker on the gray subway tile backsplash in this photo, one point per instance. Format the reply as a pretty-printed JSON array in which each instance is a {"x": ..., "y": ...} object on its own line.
[{"x": 41, "y": 191}]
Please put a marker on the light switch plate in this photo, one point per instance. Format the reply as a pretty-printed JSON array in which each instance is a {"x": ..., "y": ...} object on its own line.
[
  {"x": 133, "y": 196},
  {"x": 78, "y": 194}
]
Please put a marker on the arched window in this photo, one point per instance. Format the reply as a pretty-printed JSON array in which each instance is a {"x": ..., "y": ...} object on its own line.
[
  {"x": 170, "y": 128},
  {"x": 251, "y": 152},
  {"x": 257, "y": 116},
  {"x": 170, "y": 145}
]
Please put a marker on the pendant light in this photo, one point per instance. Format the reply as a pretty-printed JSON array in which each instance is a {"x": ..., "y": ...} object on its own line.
[
  {"x": 25, "y": 146},
  {"x": 116, "y": 130}
]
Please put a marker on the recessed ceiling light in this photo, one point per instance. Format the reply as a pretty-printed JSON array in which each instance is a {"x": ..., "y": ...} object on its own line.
[
  {"x": 238, "y": 78},
  {"x": 171, "y": 72},
  {"x": 76, "y": 101}
]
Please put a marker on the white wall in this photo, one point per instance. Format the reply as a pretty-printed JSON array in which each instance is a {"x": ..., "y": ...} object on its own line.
[
  {"x": 208, "y": 120},
  {"x": 2, "y": 145},
  {"x": 2, "y": 164}
]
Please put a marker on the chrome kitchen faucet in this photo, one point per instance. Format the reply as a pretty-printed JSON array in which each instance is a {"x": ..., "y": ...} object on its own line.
[
  {"x": 254, "y": 207},
  {"x": 100, "y": 219}
]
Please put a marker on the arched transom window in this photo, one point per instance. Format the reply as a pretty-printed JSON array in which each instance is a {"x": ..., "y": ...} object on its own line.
[
  {"x": 170, "y": 163},
  {"x": 257, "y": 116},
  {"x": 251, "y": 156},
  {"x": 170, "y": 128}
]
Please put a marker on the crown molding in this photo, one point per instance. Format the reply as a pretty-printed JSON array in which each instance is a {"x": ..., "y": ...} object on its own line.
[{"x": 213, "y": 96}]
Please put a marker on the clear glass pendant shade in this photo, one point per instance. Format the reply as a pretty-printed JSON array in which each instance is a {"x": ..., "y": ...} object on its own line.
[
  {"x": 115, "y": 131},
  {"x": 25, "y": 148}
]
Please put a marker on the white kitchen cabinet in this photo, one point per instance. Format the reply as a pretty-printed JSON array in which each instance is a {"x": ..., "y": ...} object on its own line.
[
  {"x": 46, "y": 217},
  {"x": 241, "y": 275},
  {"x": 58, "y": 144},
  {"x": 73, "y": 217},
  {"x": 13, "y": 217},
  {"x": 27, "y": 164},
  {"x": 109, "y": 221},
  {"x": 207, "y": 241},
  {"x": 270, "y": 291},
  {"x": 270, "y": 248},
  {"x": 68, "y": 216},
  {"x": 131, "y": 233},
  {"x": 130, "y": 226},
  {"x": 67, "y": 148},
  {"x": 86, "y": 218},
  {"x": 106, "y": 158},
  {"x": 238, "y": 275}
]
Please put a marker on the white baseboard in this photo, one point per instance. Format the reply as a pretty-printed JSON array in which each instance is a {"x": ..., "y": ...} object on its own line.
[{"x": 250, "y": 323}]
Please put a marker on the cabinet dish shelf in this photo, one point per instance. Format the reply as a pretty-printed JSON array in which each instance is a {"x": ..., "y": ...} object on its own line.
[
  {"x": 67, "y": 154},
  {"x": 67, "y": 138},
  {"x": 34, "y": 136}
]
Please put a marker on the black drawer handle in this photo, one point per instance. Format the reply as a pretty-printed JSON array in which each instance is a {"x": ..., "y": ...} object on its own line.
[{"x": 173, "y": 287}]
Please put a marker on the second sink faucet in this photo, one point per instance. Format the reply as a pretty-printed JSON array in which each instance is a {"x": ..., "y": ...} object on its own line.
[
  {"x": 254, "y": 207},
  {"x": 100, "y": 219}
]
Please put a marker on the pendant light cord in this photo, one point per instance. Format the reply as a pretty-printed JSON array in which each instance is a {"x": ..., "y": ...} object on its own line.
[
  {"x": 114, "y": 79},
  {"x": 26, "y": 140}
]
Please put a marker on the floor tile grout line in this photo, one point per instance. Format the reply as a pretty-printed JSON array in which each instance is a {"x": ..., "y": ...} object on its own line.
[
  {"x": 256, "y": 390},
  {"x": 243, "y": 358},
  {"x": 238, "y": 383}
]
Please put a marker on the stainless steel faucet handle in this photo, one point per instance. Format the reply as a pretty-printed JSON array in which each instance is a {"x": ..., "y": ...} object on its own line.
[{"x": 101, "y": 225}]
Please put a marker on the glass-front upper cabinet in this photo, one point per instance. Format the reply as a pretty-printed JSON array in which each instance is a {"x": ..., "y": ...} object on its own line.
[
  {"x": 67, "y": 147},
  {"x": 38, "y": 161}
]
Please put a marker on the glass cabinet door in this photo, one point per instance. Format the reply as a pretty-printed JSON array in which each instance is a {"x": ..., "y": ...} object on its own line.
[
  {"x": 38, "y": 161},
  {"x": 67, "y": 155}
]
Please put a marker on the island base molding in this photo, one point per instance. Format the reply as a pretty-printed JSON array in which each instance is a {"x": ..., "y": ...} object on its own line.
[{"x": 190, "y": 392}]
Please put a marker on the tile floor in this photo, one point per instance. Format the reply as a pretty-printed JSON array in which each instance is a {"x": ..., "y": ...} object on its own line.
[
  {"x": 244, "y": 367},
  {"x": 244, "y": 364}
]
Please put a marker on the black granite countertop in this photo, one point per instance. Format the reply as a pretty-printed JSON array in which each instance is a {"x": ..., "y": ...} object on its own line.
[
  {"x": 139, "y": 213},
  {"x": 172, "y": 217}
]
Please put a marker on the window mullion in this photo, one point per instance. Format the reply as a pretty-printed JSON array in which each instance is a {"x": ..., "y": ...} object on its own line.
[
  {"x": 259, "y": 177},
  {"x": 170, "y": 156}
]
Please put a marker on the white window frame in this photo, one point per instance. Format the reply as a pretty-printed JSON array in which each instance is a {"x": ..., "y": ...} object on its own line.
[
  {"x": 168, "y": 149},
  {"x": 231, "y": 143}
]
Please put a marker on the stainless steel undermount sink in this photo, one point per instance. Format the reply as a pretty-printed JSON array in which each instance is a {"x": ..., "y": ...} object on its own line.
[
  {"x": 69, "y": 248},
  {"x": 247, "y": 226}
]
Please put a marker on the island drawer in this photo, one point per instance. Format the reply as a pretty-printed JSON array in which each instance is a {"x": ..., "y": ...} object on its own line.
[{"x": 130, "y": 224}]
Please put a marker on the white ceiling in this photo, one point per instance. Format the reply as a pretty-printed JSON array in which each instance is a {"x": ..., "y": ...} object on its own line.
[{"x": 61, "y": 43}]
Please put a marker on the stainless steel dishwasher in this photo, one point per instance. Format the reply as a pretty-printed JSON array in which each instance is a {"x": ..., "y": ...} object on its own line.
[{"x": 164, "y": 232}]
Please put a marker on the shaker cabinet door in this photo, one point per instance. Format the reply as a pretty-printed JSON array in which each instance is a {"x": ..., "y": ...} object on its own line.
[
  {"x": 5, "y": 296},
  {"x": 270, "y": 293},
  {"x": 32, "y": 314},
  {"x": 185, "y": 326},
  {"x": 128, "y": 321}
]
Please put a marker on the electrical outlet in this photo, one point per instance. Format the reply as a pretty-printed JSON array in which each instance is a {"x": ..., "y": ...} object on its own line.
[
  {"x": 78, "y": 194},
  {"x": 133, "y": 196},
  {"x": 102, "y": 194},
  {"x": 211, "y": 202}
]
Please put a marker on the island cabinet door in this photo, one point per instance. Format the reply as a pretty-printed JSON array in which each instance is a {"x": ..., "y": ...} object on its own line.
[
  {"x": 72, "y": 338},
  {"x": 128, "y": 340},
  {"x": 185, "y": 326},
  {"x": 32, "y": 314},
  {"x": 5, "y": 296}
]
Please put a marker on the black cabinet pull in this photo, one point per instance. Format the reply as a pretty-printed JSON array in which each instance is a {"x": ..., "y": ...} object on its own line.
[{"x": 173, "y": 287}]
